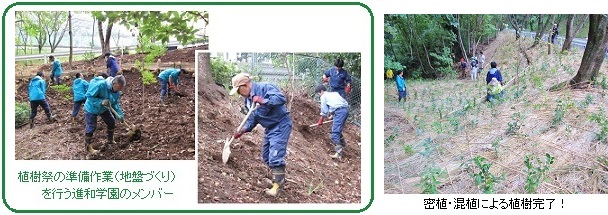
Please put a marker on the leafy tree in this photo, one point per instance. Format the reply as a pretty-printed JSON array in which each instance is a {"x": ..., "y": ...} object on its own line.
[
  {"x": 159, "y": 26},
  {"x": 56, "y": 26}
]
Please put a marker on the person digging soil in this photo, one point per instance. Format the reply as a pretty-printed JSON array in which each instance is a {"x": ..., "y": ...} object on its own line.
[
  {"x": 272, "y": 115},
  {"x": 102, "y": 93}
]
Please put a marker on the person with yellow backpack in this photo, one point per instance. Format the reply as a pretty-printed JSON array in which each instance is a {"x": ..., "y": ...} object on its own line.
[{"x": 389, "y": 74}]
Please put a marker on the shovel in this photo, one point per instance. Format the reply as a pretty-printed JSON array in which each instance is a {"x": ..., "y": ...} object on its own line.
[
  {"x": 307, "y": 127},
  {"x": 226, "y": 151},
  {"x": 134, "y": 133}
]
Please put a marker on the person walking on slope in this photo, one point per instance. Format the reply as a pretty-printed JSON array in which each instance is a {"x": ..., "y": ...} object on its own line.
[
  {"x": 79, "y": 87},
  {"x": 553, "y": 33},
  {"x": 401, "y": 88},
  {"x": 333, "y": 104},
  {"x": 389, "y": 74},
  {"x": 56, "y": 70},
  {"x": 474, "y": 68},
  {"x": 463, "y": 68},
  {"x": 37, "y": 96},
  {"x": 273, "y": 115},
  {"x": 492, "y": 74},
  {"x": 111, "y": 64},
  {"x": 168, "y": 77},
  {"x": 338, "y": 78},
  {"x": 494, "y": 90},
  {"x": 101, "y": 95}
]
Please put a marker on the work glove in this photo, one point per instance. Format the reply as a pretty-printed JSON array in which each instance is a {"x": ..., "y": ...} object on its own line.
[
  {"x": 347, "y": 90},
  {"x": 320, "y": 122},
  {"x": 105, "y": 103},
  {"x": 258, "y": 99},
  {"x": 325, "y": 79},
  {"x": 238, "y": 134}
]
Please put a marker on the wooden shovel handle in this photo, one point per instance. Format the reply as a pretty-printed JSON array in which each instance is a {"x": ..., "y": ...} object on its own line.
[{"x": 313, "y": 125}]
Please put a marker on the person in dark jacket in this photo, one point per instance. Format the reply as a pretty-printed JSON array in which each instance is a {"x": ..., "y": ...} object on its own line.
[
  {"x": 37, "y": 97},
  {"x": 494, "y": 73},
  {"x": 554, "y": 33},
  {"x": 111, "y": 64},
  {"x": 102, "y": 94},
  {"x": 79, "y": 87},
  {"x": 338, "y": 78},
  {"x": 273, "y": 115}
]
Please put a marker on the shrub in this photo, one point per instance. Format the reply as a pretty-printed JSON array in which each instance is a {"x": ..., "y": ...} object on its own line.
[
  {"x": 62, "y": 88},
  {"x": 22, "y": 113}
]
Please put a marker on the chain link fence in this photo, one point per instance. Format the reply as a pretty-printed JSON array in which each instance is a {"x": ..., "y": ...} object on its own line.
[{"x": 308, "y": 72}]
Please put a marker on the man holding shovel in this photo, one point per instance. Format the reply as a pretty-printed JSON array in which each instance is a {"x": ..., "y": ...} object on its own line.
[
  {"x": 168, "y": 77},
  {"x": 332, "y": 102},
  {"x": 101, "y": 94},
  {"x": 272, "y": 115}
]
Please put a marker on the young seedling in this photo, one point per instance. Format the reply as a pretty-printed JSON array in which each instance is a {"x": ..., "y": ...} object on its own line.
[
  {"x": 484, "y": 179},
  {"x": 515, "y": 125},
  {"x": 313, "y": 188},
  {"x": 536, "y": 171},
  {"x": 408, "y": 149},
  {"x": 602, "y": 121},
  {"x": 430, "y": 179}
]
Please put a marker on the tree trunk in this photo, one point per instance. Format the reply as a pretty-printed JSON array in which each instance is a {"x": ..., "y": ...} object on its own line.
[
  {"x": 41, "y": 40},
  {"x": 541, "y": 30},
  {"x": 105, "y": 40},
  {"x": 93, "y": 34},
  {"x": 464, "y": 53},
  {"x": 595, "y": 52},
  {"x": 70, "y": 32},
  {"x": 208, "y": 91},
  {"x": 101, "y": 37},
  {"x": 108, "y": 37},
  {"x": 571, "y": 33}
]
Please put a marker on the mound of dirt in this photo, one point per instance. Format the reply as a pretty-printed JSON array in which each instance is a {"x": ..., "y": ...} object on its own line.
[
  {"x": 167, "y": 132},
  {"x": 312, "y": 176}
]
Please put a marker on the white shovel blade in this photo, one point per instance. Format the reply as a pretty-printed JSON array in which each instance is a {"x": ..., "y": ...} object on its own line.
[{"x": 226, "y": 151}]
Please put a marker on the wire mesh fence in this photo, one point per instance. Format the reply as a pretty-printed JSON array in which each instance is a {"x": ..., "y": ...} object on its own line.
[{"x": 307, "y": 74}]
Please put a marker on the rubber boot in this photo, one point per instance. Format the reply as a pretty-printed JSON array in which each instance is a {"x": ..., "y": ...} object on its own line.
[
  {"x": 339, "y": 152},
  {"x": 31, "y": 123},
  {"x": 50, "y": 117},
  {"x": 279, "y": 181},
  {"x": 87, "y": 144},
  {"x": 73, "y": 120},
  {"x": 110, "y": 136},
  {"x": 162, "y": 101}
]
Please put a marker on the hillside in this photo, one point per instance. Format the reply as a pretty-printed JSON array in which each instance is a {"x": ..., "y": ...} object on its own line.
[
  {"x": 312, "y": 176},
  {"x": 447, "y": 137},
  {"x": 167, "y": 133}
]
